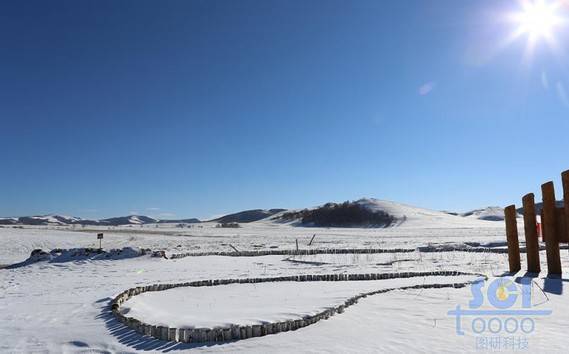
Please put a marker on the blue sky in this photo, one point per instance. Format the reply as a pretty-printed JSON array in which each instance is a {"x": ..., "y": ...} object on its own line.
[{"x": 198, "y": 108}]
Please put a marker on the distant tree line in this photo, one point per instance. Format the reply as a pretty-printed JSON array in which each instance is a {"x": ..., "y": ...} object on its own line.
[{"x": 346, "y": 214}]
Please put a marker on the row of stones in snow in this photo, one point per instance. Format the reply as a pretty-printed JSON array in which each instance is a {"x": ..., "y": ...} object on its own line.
[
  {"x": 291, "y": 252},
  {"x": 459, "y": 248},
  {"x": 237, "y": 332},
  {"x": 307, "y": 252}
]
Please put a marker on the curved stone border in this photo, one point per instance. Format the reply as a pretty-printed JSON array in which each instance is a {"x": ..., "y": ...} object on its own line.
[{"x": 236, "y": 332}]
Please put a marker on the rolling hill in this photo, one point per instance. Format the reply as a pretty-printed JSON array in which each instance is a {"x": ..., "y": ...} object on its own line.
[{"x": 248, "y": 216}]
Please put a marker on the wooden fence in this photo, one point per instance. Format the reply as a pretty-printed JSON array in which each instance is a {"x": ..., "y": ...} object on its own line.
[{"x": 554, "y": 221}]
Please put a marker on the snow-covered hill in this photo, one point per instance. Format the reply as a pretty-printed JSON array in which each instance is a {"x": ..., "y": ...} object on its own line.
[
  {"x": 248, "y": 215},
  {"x": 401, "y": 215},
  {"x": 129, "y": 220},
  {"x": 411, "y": 216},
  {"x": 8, "y": 221},
  {"x": 50, "y": 219},
  {"x": 490, "y": 213}
]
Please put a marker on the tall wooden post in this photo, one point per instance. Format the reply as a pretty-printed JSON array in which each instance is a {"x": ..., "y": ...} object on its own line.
[
  {"x": 530, "y": 227},
  {"x": 512, "y": 238},
  {"x": 549, "y": 229},
  {"x": 565, "y": 179}
]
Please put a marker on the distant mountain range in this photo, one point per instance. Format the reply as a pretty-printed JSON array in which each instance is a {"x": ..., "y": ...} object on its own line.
[
  {"x": 61, "y": 220},
  {"x": 366, "y": 212}
]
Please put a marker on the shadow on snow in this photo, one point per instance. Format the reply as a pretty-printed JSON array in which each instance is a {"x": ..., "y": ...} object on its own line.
[{"x": 139, "y": 342}]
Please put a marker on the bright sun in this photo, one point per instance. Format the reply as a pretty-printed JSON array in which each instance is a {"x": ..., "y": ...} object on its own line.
[
  {"x": 538, "y": 18},
  {"x": 538, "y": 21}
]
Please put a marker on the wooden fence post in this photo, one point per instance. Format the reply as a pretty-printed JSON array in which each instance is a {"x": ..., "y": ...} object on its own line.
[
  {"x": 565, "y": 179},
  {"x": 530, "y": 227},
  {"x": 512, "y": 238},
  {"x": 549, "y": 229}
]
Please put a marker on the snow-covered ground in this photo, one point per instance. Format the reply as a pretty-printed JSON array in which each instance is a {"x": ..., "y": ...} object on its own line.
[
  {"x": 63, "y": 306},
  {"x": 264, "y": 235},
  {"x": 250, "y": 304}
]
